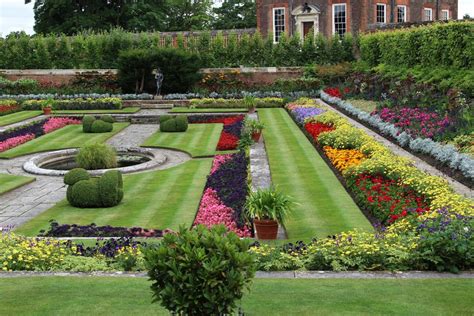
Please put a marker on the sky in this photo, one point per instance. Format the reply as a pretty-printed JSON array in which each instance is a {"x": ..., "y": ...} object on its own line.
[{"x": 16, "y": 16}]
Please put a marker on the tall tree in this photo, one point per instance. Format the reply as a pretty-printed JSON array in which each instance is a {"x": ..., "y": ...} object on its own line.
[{"x": 235, "y": 14}]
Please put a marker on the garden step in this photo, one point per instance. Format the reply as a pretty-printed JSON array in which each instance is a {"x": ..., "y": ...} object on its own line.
[{"x": 147, "y": 105}]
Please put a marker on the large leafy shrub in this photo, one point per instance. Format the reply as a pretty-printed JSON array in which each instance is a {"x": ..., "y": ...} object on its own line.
[
  {"x": 180, "y": 69},
  {"x": 200, "y": 271},
  {"x": 97, "y": 156}
]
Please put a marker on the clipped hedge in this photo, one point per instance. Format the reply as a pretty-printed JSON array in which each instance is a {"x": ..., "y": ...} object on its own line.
[
  {"x": 99, "y": 126},
  {"x": 169, "y": 124},
  {"x": 77, "y": 104},
  {"x": 440, "y": 44}
]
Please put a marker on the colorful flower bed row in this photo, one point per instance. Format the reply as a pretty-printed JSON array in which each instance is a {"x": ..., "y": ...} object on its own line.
[
  {"x": 8, "y": 106},
  {"x": 225, "y": 193},
  {"x": 386, "y": 185},
  {"x": 413, "y": 134},
  {"x": 15, "y": 137},
  {"x": 231, "y": 133}
]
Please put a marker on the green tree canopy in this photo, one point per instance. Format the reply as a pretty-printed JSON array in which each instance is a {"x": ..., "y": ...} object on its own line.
[{"x": 235, "y": 14}]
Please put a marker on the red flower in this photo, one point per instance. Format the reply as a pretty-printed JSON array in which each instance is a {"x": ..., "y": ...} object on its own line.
[{"x": 227, "y": 141}]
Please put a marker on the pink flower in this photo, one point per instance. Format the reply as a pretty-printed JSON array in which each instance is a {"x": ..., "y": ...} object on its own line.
[
  {"x": 15, "y": 141},
  {"x": 219, "y": 160},
  {"x": 58, "y": 122}
]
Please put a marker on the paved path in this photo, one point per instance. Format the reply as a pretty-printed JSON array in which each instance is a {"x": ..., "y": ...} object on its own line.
[
  {"x": 419, "y": 163},
  {"x": 26, "y": 202},
  {"x": 264, "y": 275}
]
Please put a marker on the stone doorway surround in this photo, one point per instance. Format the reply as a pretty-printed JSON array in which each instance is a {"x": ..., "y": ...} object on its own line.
[{"x": 302, "y": 17}]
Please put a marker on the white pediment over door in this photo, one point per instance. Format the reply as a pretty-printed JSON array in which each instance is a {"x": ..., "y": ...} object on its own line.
[{"x": 306, "y": 16}]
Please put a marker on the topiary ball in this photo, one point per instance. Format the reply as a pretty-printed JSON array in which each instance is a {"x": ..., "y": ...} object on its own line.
[
  {"x": 164, "y": 118},
  {"x": 110, "y": 185},
  {"x": 76, "y": 175},
  {"x": 168, "y": 126},
  {"x": 181, "y": 123},
  {"x": 85, "y": 193},
  {"x": 87, "y": 123},
  {"x": 107, "y": 118},
  {"x": 100, "y": 126}
]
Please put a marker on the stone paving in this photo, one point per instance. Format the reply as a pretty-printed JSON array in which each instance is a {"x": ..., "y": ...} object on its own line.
[
  {"x": 26, "y": 202},
  {"x": 419, "y": 163}
]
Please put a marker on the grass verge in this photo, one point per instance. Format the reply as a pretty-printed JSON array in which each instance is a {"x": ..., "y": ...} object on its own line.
[
  {"x": 70, "y": 136},
  {"x": 200, "y": 140},
  {"x": 10, "y": 182},
  {"x": 18, "y": 117},
  {"x": 105, "y": 296},
  {"x": 158, "y": 199},
  {"x": 123, "y": 110},
  {"x": 325, "y": 208}
]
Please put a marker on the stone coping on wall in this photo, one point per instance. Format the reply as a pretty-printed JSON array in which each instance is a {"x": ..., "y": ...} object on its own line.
[{"x": 254, "y": 70}]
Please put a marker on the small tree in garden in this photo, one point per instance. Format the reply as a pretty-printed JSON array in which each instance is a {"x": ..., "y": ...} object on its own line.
[{"x": 200, "y": 271}]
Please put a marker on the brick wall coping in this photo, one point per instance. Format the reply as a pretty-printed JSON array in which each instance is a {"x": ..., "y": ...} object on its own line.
[{"x": 60, "y": 72}]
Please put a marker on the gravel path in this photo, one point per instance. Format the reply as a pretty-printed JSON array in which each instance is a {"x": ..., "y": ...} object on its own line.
[
  {"x": 419, "y": 163},
  {"x": 26, "y": 202},
  {"x": 265, "y": 275}
]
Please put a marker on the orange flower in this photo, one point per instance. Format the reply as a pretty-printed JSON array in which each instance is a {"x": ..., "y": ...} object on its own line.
[{"x": 343, "y": 158}]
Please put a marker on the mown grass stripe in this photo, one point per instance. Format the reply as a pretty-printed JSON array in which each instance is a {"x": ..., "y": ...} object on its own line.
[
  {"x": 9, "y": 182},
  {"x": 18, "y": 117},
  {"x": 297, "y": 169}
]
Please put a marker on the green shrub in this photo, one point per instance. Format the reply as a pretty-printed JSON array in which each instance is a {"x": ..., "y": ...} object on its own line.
[
  {"x": 75, "y": 175},
  {"x": 164, "y": 118},
  {"x": 181, "y": 123},
  {"x": 76, "y": 104},
  {"x": 97, "y": 156},
  {"x": 110, "y": 188},
  {"x": 107, "y": 118},
  {"x": 87, "y": 123},
  {"x": 211, "y": 266},
  {"x": 99, "y": 126},
  {"x": 168, "y": 126},
  {"x": 85, "y": 193}
]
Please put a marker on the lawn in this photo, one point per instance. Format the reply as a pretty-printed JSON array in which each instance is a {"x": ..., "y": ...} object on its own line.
[
  {"x": 325, "y": 207},
  {"x": 158, "y": 199},
  {"x": 70, "y": 136},
  {"x": 123, "y": 110},
  {"x": 18, "y": 117},
  {"x": 364, "y": 105},
  {"x": 9, "y": 182},
  {"x": 125, "y": 296},
  {"x": 206, "y": 110},
  {"x": 200, "y": 140}
]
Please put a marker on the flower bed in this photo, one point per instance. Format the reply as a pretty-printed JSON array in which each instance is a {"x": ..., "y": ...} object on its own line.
[
  {"x": 231, "y": 133},
  {"x": 8, "y": 106},
  {"x": 44, "y": 96},
  {"x": 15, "y": 137},
  {"x": 76, "y": 104},
  {"x": 225, "y": 193},
  {"x": 444, "y": 156},
  {"x": 387, "y": 186}
]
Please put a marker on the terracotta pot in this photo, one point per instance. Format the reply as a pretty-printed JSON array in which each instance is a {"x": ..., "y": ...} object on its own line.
[
  {"x": 251, "y": 110},
  {"x": 46, "y": 111},
  {"x": 266, "y": 229},
  {"x": 256, "y": 136}
]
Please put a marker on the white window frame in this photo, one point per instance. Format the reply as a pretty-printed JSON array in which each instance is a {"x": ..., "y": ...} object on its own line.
[
  {"x": 284, "y": 23},
  {"x": 334, "y": 17},
  {"x": 424, "y": 14},
  {"x": 404, "y": 13},
  {"x": 447, "y": 14},
  {"x": 384, "y": 13}
]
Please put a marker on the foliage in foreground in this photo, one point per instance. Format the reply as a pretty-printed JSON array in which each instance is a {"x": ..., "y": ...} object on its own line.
[{"x": 200, "y": 271}]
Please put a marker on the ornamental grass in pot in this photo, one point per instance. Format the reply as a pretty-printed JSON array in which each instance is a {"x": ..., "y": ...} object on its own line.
[
  {"x": 267, "y": 207},
  {"x": 250, "y": 103}
]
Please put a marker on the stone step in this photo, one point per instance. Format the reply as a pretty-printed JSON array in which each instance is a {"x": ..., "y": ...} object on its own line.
[{"x": 156, "y": 106}]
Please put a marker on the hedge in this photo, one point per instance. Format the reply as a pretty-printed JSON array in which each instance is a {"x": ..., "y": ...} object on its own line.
[
  {"x": 236, "y": 103},
  {"x": 101, "y": 50},
  {"x": 440, "y": 44},
  {"x": 77, "y": 104}
]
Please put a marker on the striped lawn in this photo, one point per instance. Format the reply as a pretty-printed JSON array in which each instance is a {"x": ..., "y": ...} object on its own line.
[
  {"x": 158, "y": 199},
  {"x": 200, "y": 140},
  {"x": 18, "y": 117},
  {"x": 9, "y": 182},
  {"x": 325, "y": 208},
  {"x": 207, "y": 110},
  {"x": 115, "y": 111},
  {"x": 70, "y": 136}
]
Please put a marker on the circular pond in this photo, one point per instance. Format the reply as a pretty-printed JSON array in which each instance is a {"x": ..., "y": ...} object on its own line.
[{"x": 58, "y": 163}]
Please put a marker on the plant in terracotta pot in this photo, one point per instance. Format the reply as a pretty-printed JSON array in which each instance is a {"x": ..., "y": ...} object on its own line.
[
  {"x": 255, "y": 129},
  {"x": 47, "y": 106},
  {"x": 250, "y": 103},
  {"x": 268, "y": 207}
]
